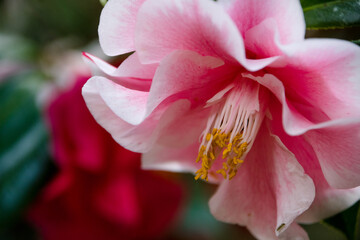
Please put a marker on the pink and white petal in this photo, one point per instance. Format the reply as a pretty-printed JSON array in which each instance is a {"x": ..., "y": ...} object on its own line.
[
  {"x": 117, "y": 26},
  {"x": 137, "y": 138},
  {"x": 189, "y": 75},
  {"x": 263, "y": 40},
  {"x": 338, "y": 152},
  {"x": 266, "y": 199},
  {"x": 197, "y": 25},
  {"x": 204, "y": 28},
  {"x": 133, "y": 74},
  {"x": 328, "y": 200},
  {"x": 294, "y": 232},
  {"x": 127, "y": 104},
  {"x": 174, "y": 159},
  {"x": 323, "y": 73},
  {"x": 299, "y": 115},
  {"x": 291, "y": 117},
  {"x": 178, "y": 145},
  {"x": 288, "y": 15},
  {"x": 132, "y": 67}
]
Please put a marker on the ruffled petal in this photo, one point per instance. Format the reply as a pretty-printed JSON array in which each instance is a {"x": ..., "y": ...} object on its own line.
[
  {"x": 287, "y": 14},
  {"x": 117, "y": 26},
  {"x": 299, "y": 115},
  {"x": 132, "y": 67},
  {"x": 137, "y": 138},
  {"x": 131, "y": 73},
  {"x": 269, "y": 191},
  {"x": 328, "y": 200},
  {"x": 291, "y": 117},
  {"x": 171, "y": 159},
  {"x": 189, "y": 75},
  {"x": 263, "y": 40},
  {"x": 204, "y": 28},
  {"x": 127, "y": 104},
  {"x": 322, "y": 82},
  {"x": 338, "y": 151},
  {"x": 177, "y": 147}
]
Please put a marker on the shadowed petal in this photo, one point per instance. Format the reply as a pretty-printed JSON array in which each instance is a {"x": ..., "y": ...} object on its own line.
[
  {"x": 137, "y": 138},
  {"x": 269, "y": 191},
  {"x": 287, "y": 14}
]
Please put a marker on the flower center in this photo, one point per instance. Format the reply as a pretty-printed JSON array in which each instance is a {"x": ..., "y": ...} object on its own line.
[{"x": 231, "y": 128}]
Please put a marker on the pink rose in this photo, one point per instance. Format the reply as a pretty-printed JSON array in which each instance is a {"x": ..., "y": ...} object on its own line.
[
  {"x": 230, "y": 89},
  {"x": 100, "y": 191}
]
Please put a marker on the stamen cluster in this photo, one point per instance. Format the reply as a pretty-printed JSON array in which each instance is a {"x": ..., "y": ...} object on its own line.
[{"x": 232, "y": 151}]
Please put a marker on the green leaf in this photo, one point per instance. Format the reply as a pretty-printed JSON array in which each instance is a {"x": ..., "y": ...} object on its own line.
[
  {"x": 357, "y": 225},
  {"x": 332, "y": 14},
  {"x": 309, "y": 3},
  {"x": 346, "y": 220},
  {"x": 23, "y": 148},
  {"x": 322, "y": 230},
  {"x": 356, "y": 42},
  {"x": 103, "y": 2}
]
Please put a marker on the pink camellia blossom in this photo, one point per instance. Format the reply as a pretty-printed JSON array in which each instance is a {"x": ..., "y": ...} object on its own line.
[
  {"x": 100, "y": 192},
  {"x": 231, "y": 91}
]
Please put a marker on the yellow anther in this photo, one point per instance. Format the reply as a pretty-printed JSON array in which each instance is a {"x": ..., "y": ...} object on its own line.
[
  {"x": 231, "y": 151},
  {"x": 225, "y": 153},
  {"x": 201, "y": 152},
  {"x": 198, "y": 174},
  {"x": 243, "y": 146},
  {"x": 232, "y": 173},
  {"x": 225, "y": 166},
  {"x": 222, "y": 172},
  {"x": 208, "y": 137}
]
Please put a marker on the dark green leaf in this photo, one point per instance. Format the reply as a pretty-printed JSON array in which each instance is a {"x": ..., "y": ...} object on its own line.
[
  {"x": 23, "y": 148},
  {"x": 309, "y": 3},
  {"x": 357, "y": 225},
  {"x": 320, "y": 231},
  {"x": 356, "y": 42},
  {"x": 345, "y": 220},
  {"x": 332, "y": 14}
]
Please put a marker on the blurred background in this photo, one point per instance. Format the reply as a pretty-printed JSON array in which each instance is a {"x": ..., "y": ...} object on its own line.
[{"x": 63, "y": 177}]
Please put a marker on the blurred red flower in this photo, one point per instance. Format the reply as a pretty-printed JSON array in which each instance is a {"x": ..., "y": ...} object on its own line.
[{"x": 100, "y": 191}]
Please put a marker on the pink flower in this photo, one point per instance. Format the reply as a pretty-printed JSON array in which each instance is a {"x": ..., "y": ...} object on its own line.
[
  {"x": 231, "y": 88},
  {"x": 100, "y": 191}
]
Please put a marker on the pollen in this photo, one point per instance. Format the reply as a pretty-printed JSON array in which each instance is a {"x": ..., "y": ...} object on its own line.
[
  {"x": 219, "y": 142},
  {"x": 230, "y": 131}
]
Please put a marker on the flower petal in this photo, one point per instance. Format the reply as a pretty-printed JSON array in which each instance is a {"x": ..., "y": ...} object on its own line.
[
  {"x": 189, "y": 75},
  {"x": 288, "y": 15},
  {"x": 131, "y": 73},
  {"x": 267, "y": 198},
  {"x": 174, "y": 150},
  {"x": 263, "y": 40},
  {"x": 328, "y": 200},
  {"x": 204, "y": 28},
  {"x": 129, "y": 105},
  {"x": 338, "y": 151},
  {"x": 117, "y": 26},
  {"x": 322, "y": 82},
  {"x": 137, "y": 138},
  {"x": 132, "y": 67}
]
